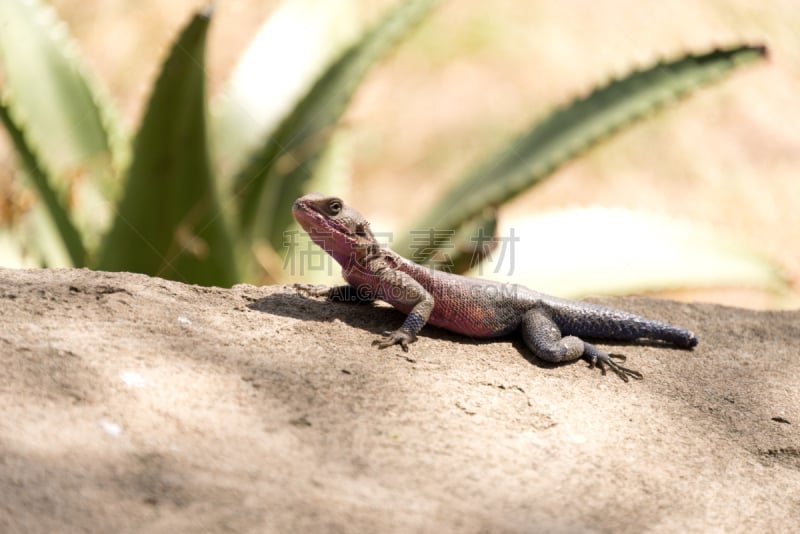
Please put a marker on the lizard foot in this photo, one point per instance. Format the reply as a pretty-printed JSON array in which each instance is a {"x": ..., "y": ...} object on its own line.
[
  {"x": 398, "y": 337},
  {"x": 598, "y": 358},
  {"x": 622, "y": 372}
]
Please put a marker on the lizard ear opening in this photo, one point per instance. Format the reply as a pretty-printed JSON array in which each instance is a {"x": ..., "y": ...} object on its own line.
[{"x": 362, "y": 230}]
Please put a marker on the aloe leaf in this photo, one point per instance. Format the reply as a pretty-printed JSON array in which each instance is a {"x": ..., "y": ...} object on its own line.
[
  {"x": 255, "y": 99},
  {"x": 475, "y": 240},
  {"x": 658, "y": 253},
  {"x": 55, "y": 210},
  {"x": 169, "y": 222},
  {"x": 575, "y": 128},
  {"x": 32, "y": 240},
  {"x": 277, "y": 174},
  {"x": 69, "y": 121},
  {"x": 299, "y": 258}
]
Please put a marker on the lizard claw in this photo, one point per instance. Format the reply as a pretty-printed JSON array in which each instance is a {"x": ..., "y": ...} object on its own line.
[
  {"x": 603, "y": 359},
  {"x": 398, "y": 337}
]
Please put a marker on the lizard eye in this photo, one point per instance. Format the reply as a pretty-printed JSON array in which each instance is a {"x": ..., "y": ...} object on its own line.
[{"x": 335, "y": 206}]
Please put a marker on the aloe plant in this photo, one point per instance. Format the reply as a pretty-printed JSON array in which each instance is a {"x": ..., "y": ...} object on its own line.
[
  {"x": 158, "y": 205},
  {"x": 274, "y": 178},
  {"x": 570, "y": 131},
  {"x": 70, "y": 237},
  {"x": 162, "y": 205},
  {"x": 57, "y": 113},
  {"x": 170, "y": 183}
]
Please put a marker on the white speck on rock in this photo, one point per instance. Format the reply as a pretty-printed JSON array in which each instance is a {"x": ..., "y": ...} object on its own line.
[
  {"x": 184, "y": 320},
  {"x": 133, "y": 379},
  {"x": 110, "y": 427}
]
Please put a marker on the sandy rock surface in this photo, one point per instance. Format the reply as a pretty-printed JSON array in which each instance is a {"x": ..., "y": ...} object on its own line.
[{"x": 135, "y": 404}]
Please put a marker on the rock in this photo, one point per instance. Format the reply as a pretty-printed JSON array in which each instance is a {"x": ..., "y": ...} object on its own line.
[{"x": 135, "y": 403}]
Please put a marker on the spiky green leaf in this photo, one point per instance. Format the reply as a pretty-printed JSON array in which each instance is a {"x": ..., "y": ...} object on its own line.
[
  {"x": 169, "y": 221},
  {"x": 277, "y": 174},
  {"x": 255, "y": 99},
  {"x": 55, "y": 210},
  {"x": 574, "y": 129},
  {"x": 476, "y": 240},
  {"x": 67, "y": 117}
]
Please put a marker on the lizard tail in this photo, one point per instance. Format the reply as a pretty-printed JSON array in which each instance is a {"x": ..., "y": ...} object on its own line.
[{"x": 606, "y": 323}]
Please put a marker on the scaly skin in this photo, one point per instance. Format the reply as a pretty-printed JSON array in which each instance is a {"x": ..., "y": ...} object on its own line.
[{"x": 550, "y": 326}]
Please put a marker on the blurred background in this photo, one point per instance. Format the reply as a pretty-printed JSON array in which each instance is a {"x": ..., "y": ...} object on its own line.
[{"x": 475, "y": 73}]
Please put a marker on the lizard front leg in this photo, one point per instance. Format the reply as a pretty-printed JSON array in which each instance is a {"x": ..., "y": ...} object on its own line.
[
  {"x": 403, "y": 292},
  {"x": 543, "y": 337}
]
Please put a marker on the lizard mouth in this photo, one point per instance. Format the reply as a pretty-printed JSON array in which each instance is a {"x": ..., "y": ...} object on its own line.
[
  {"x": 338, "y": 230},
  {"x": 318, "y": 226}
]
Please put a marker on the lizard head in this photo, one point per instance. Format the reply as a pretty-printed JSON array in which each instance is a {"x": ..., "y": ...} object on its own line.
[{"x": 339, "y": 229}]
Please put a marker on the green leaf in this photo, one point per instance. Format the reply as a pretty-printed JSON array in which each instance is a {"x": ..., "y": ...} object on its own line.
[
  {"x": 266, "y": 188},
  {"x": 614, "y": 251},
  {"x": 298, "y": 259},
  {"x": 474, "y": 241},
  {"x": 55, "y": 210},
  {"x": 573, "y": 129},
  {"x": 267, "y": 82},
  {"x": 31, "y": 240},
  {"x": 67, "y": 117},
  {"x": 169, "y": 222}
]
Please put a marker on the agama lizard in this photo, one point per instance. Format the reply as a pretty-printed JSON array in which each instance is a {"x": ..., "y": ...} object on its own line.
[{"x": 550, "y": 326}]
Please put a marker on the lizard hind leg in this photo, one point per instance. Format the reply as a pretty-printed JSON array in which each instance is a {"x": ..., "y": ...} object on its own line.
[{"x": 543, "y": 337}]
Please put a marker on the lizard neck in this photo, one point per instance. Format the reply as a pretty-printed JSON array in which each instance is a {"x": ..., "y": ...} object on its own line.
[{"x": 353, "y": 255}]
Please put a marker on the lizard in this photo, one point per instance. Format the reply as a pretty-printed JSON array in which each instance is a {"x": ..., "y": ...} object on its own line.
[{"x": 551, "y": 327}]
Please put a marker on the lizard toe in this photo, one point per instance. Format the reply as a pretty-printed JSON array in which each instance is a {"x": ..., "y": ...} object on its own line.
[
  {"x": 622, "y": 372},
  {"x": 600, "y": 359},
  {"x": 398, "y": 337}
]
